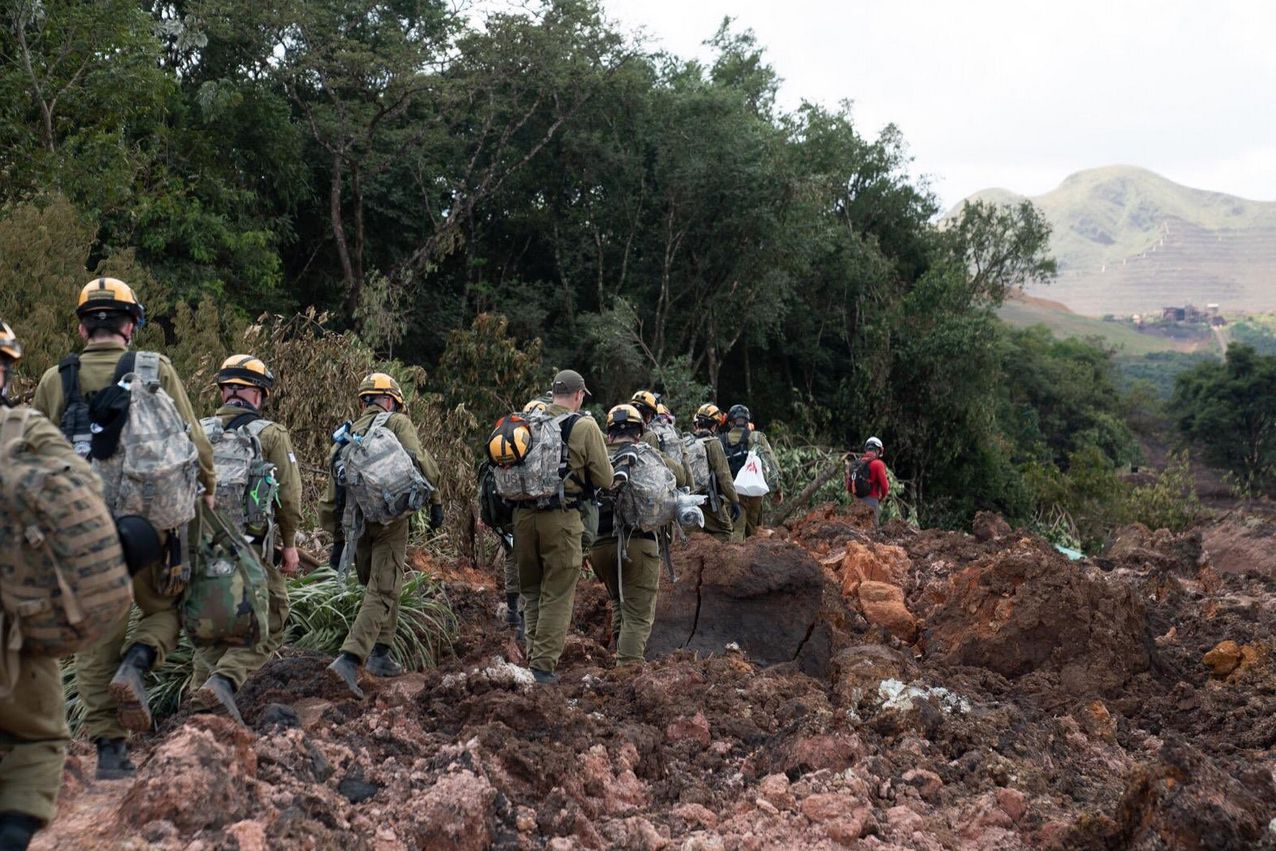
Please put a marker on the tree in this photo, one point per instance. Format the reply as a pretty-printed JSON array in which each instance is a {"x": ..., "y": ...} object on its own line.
[{"x": 1228, "y": 410}]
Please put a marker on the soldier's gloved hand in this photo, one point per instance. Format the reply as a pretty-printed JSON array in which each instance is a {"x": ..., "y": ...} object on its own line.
[
  {"x": 436, "y": 517},
  {"x": 334, "y": 559},
  {"x": 735, "y": 511}
]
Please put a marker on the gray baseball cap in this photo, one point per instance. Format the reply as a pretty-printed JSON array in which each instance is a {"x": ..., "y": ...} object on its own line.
[{"x": 569, "y": 381}]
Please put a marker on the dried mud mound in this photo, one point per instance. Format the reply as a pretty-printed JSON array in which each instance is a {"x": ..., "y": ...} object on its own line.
[
  {"x": 891, "y": 689},
  {"x": 1025, "y": 609},
  {"x": 763, "y": 596}
]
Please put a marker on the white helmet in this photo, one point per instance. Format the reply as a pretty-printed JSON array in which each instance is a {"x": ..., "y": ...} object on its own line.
[{"x": 873, "y": 443}]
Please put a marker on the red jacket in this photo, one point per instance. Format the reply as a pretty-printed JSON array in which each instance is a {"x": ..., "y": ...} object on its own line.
[{"x": 878, "y": 484}]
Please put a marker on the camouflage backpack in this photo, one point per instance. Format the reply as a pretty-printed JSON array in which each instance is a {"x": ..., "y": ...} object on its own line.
[
  {"x": 540, "y": 476},
  {"x": 381, "y": 476},
  {"x": 649, "y": 500},
  {"x": 226, "y": 602},
  {"x": 63, "y": 581},
  {"x": 696, "y": 459},
  {"x": 670, "y": 440},
  {"x": 153, "y": 471},
  {"x": 247, "y": 489}
]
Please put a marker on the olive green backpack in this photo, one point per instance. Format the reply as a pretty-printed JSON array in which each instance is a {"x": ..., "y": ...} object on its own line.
[{"x": 226, "y": 603}]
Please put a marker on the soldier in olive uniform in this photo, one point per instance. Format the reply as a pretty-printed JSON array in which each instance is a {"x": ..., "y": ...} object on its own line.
[
  {"x": 109, "y": 677},
  {"x": 737, "y": 442},
  {"x": 633, "y": 584},
  {"x": 719, "y": 523},
  {"x": 245, "y": 382},
  {"x": 647, "y": 405},
  {"x": 33, "y": 729},
  {"x": 381, "y": 553},
  {"x": 548, "y": 540}
]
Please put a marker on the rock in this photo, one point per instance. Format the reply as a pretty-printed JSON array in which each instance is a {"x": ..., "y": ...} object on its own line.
[
  {"x": 250, "y": 836},
  {"x": 1224, "y": 658},
  {"x": 858, "y": 670},
  {"x": 277, "y": 716},
  {"x": 695, "y": 814},
  {"x": 1098, "y": 722},
  {"x": 156, "y": 832},
  {"x": 903, "y": 821},
  {"x": 208, "y": 760},
  {"x": 614, "y": 788},
  {"x": 634, "y": 832},
  {"x": 989, "y": 526},
  {"x": 927, "y": 783},
  {"x": 455, "y": 813},
  {"x": 871, "y": 562},
  {"x": 1012, "y": 803},
  {"x": 775, "y": 788},
  {"x": 355, "y": 789},
  {"x": 883, "y": 605},
  {"x": 847, "y": 829},
  {"x": 829, "y": 806},
  {"x": 695, "y": 729}
]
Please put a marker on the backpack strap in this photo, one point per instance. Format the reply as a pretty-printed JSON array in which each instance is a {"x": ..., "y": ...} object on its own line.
[
  {"x": 247, "y": 418},
  {"x": 69, "y": 372},
  {"x": 564, "y": 458},
  {"x": 379, "y": 420},
  {"x": 147, "y": 367},
  {"x": 14, "y": 428},
  {"x": 126, "y": 364}
]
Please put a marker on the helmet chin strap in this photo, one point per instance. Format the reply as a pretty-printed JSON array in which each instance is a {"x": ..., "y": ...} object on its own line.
[{"x": 240, "y": 402}]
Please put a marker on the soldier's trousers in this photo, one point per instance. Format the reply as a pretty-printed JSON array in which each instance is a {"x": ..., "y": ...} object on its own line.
[
  {"x": 158, "y": 629},
  {"x": 33, "y": 739},
  {"x": 633, "y": 593},
  {"x": 719, "y": 525},
  {"x": 750, "y": 518},
  {"x": 547, "y": 548},
  {"x": 380, "y": 561},
  {"x": 237, "y": 664}
]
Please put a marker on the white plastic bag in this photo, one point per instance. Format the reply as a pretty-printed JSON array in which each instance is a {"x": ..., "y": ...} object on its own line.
[{"x": 750, "y": 481}]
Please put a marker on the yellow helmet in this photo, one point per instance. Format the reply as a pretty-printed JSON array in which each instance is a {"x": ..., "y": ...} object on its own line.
[
  {"x": 662, "y": 408},
  {"x": 535, "y": 406},
  {"x": 9, "y": 345},
  {"x": 645, "y": 402},
  {"x": 380, "y": 384},
  {"x": 709, "y": 413},
  {"x": 509, "y": 442},
  {"x": 103, "y": 295},
  {"x": 625, "y": 416},
  {"x": 246, "y": 371}
]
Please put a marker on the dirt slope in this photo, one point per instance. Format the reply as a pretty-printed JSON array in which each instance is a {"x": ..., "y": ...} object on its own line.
[{"x": 827, "y": 687}]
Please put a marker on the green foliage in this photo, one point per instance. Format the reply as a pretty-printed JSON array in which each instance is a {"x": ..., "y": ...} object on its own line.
[
  {"x": 1228, "y": 411},
  {"x": 1171, "y": 502},
  {"x": 322, "y": 608}
]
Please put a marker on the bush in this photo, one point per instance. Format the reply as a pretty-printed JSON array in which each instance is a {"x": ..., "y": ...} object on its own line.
[{"x": 1171, "y": 502}]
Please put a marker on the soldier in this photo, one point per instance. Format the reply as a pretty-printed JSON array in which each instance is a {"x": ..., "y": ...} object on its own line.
[
  {"x": 648, "y": 406},
  {"x": 245, "y": 383},
  {"x": 737, "y": 443},
  {"x": 109, "y": 677},
  {"x": 633, "y": 583},
  {"x": 548, "y": 538},
  {"x": 722, "y": 509},
  {"x": 381, "y": 551}
]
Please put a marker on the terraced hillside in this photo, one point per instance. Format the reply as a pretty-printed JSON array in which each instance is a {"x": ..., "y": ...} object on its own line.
[{"x": 1130, "y": 241}]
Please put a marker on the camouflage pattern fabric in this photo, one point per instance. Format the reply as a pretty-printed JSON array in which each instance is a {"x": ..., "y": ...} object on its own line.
[
  {"x": 381, "y": 477},
  {"x": 648, "y": 500},
  {"x": 540, "y": 476},
  {"x": 227, "y": 601}
]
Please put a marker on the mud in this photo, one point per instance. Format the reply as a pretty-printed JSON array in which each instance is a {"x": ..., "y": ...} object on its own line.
[{"x": 827, "y": 687}]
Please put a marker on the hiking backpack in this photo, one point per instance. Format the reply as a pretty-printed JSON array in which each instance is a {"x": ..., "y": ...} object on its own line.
[
  {"x": 495, "y": 512},
  {"x": 649, "y": 500},
  {"x": 227, "y": 602},
  {"x": 381, "y": 476},
  {"x": 696, "y": 455},
  {"x": 63, "y": 581},
  {"x": 861, "y": 484},
  {"x": 736, "y": 454},
  {"x": 668, "y": 437},
  {"x": 247, "y": 487},
  {"x": 141, "y": 446},
  {"x": 539, "y": 477}
]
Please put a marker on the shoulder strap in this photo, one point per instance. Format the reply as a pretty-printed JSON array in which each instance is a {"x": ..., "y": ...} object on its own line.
[
  {"x": 258, "y": 425},
  {"x": 379, "y": 420},
  {"x": 69, "y": 371},
  {"x": 247, "y": 418},
  {"x": 147, "y": 367},
  {"x": 14, "y": 427},
  {"x": 125, "y": 365}
]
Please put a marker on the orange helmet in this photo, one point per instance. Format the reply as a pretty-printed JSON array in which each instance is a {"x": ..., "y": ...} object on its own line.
[{"x": 381, "y": 384}]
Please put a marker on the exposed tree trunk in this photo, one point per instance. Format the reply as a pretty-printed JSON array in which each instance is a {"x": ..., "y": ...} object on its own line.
[
  {"x": 339, "y": 235},
  {"x": 809, "y": 491}
]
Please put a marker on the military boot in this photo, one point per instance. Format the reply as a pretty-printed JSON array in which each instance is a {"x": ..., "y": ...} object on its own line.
[
  {"x": 380, "y": 664},
  {"x": 216, "y": 691},
  {"x": 16, "y": 830},
  {"x": 112, "y": 760},
  {"x": 345, "y": 669},
  {"x": 128, "y": 688},
  {"x": 514, "y": 618}
]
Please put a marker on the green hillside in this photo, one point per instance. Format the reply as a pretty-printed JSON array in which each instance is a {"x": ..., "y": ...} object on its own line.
[
  {"x": 1128, "y": 342},
  {"x": 1130, "y": 241}
]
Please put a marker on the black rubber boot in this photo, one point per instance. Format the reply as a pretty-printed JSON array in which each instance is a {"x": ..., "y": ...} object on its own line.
[
  {"x": 380, "y": 663},
  {"x": 545, "y": 678},
  {"x": 128, "y": 688},
  {"x": 216, "y": 691},
  {"x": 345, "y": 668},
  {"x": 16, "y": 830},
  {"x": 112, "y": 760},
  {"x": 511, "y": 616}
]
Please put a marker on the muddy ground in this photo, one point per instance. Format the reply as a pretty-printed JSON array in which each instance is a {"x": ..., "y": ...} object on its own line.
[{"x": 823, "y": 687}]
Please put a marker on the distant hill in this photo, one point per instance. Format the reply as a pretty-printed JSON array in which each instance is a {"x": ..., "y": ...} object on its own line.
[
  {"x": 1023, "y": 311},
  {"x": 1130, "y": 241}
]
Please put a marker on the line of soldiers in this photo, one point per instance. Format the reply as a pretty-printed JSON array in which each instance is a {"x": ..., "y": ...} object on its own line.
[{"x": 550, "y": 541}]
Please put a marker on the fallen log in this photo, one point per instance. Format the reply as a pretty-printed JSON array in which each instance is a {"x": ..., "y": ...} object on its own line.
[{"x": 809, "y": 491}]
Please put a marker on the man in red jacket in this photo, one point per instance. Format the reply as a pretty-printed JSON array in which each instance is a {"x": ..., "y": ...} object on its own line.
[{"x": 866, "y": 478}]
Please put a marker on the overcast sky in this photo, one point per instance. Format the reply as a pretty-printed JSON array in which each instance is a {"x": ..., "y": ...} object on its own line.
[{"x": 1021, "y": 93}]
